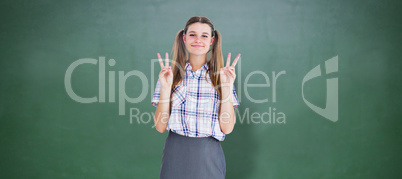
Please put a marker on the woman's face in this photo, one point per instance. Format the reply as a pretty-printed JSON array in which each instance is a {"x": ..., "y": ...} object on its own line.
[{"x": 198, "y": 38}]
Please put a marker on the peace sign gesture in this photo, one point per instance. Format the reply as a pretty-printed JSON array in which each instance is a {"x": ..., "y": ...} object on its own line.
[
  {"x": 227, "y": 73},
  {"x": 166, "y": 74}
]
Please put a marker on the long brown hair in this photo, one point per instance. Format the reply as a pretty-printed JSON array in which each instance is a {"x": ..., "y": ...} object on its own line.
[{"x": 215, "y": 58}]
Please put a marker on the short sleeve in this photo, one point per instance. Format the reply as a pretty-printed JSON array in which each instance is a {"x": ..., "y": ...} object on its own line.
[
  {"x": 157, "y": 94},
  {"x": 235, "y": 100}
]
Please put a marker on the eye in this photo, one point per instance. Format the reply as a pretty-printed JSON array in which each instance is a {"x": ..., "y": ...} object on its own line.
[
  {"x": 191, "y": 34},
  {"x": 205, "y": 36}
]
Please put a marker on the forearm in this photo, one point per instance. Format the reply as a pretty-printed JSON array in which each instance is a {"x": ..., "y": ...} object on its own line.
[
  {"x": 227, "y": 118},
  {"x": 161, "y": 117}
]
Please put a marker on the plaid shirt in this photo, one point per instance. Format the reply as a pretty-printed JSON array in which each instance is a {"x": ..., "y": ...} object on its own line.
[{"x": 195, "y": 105}]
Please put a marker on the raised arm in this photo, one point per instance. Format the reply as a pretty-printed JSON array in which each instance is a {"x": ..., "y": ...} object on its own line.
[
  {"x": 227, "y": 117},
  {"x": 161, "y": 117}
]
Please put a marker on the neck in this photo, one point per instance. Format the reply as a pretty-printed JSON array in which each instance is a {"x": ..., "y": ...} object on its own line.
[{"x": 197, "y": 61}]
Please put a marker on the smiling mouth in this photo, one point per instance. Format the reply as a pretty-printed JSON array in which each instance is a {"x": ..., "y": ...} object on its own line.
[{"x": 197, "y": 46}]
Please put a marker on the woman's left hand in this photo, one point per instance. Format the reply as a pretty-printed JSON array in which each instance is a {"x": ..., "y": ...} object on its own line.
[{"x": 227, "y": 73}]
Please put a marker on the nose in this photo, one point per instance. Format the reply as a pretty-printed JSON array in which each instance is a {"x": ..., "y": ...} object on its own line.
[{"x": 197, "y": 39}]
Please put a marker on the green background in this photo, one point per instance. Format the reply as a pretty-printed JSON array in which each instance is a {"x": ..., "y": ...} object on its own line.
[{"x": 44, "y": 133}]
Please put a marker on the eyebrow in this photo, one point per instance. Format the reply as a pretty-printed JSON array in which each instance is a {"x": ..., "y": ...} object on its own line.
[{"x": 196, "y": 32}]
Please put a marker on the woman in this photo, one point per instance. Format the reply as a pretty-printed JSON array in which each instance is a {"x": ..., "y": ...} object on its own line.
[{"x": 195, "y": 100}]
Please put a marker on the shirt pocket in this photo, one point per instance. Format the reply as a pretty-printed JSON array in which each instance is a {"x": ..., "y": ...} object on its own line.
[
  {"x": 179, "y": 96},
  {"x": 209, "y": 102}
]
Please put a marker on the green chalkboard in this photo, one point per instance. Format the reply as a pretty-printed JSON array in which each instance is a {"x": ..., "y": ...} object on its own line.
[{"x": 318, "y": 82}]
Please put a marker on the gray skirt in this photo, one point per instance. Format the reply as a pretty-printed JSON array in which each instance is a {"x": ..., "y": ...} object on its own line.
[{"x": 192, "y": 158}]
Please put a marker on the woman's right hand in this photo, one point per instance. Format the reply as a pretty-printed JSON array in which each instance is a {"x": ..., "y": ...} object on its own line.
[
  {"x": 161, "y": 117},
  {"x": 166, "y": 74}
]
